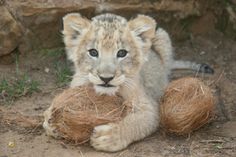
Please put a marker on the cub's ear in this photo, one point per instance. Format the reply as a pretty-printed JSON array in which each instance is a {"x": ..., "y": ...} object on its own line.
[
  {"x": 143, "y": 26},
  {"x": 74, "y": 25}
]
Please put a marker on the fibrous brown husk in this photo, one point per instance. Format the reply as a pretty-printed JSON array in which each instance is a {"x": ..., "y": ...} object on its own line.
[
  {"x": 78, "y": 110},
  {"x": 186, "y": 105}
]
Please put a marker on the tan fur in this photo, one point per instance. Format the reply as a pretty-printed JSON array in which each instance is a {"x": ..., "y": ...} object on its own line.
[{"x": 139, "y": 77}]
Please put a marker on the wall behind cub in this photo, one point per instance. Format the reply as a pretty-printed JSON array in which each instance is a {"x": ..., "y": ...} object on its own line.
[{"x": 36, "y": 24}]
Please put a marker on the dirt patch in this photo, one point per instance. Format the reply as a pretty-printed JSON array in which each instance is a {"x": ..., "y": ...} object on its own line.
[{"x": 216, "y": 139}]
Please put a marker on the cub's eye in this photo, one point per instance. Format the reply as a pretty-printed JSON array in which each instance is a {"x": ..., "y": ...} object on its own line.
[
  {"x": 93, "y": 52},
  {"x": 121, "y": 53}
]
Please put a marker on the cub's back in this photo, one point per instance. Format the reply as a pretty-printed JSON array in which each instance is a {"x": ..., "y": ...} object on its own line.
[{"x": 154, "y": 76}]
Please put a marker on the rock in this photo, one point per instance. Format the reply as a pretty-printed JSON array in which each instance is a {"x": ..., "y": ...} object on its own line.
[
  {"x": 42, "y": 19},
  {"x": 10, "y": 32},
  {"x": 2, "y": 2},
  {"x": 7, "y": 59},
  {"x": 234, "y": 1},
  {"x": 199, "y": 26}
]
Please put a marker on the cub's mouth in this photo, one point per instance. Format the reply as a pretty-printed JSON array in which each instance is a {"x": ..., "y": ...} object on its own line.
[
  {"x": 106, "y": 85},
  {"x": 106, "y": 89}
]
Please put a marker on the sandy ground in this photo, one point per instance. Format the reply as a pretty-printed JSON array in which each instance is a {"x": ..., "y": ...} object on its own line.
[{"x": 215, "y": 139}]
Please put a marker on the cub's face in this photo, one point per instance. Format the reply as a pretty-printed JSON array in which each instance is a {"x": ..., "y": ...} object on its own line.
[{"x": 107, "y": 51}]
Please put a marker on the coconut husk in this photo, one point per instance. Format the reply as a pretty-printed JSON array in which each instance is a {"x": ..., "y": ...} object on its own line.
[
  {"x": 75, "y": 112},
  {"x": 187, "y": 105}
]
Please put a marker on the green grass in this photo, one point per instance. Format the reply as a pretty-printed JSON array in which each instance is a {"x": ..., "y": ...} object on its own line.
[
  {"x": 63, "y": 73},
  {"x": 14, "y": 89},
  {"x": 22, "y": 85},
  {"x": 62, "y": 69},
  {"x": 54, "y": 52}
]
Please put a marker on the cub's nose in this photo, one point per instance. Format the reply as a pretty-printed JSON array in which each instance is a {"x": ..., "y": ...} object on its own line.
[{"x": 106, "y": 80}]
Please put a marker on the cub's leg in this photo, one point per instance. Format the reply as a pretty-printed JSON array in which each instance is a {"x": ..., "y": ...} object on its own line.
[{"x": 116, "y": 136}]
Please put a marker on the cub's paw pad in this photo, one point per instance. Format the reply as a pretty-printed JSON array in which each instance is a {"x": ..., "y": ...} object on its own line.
[{"x": 107, "y": 138}]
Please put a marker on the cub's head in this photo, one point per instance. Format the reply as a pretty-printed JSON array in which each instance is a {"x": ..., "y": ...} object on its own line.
[{"x": 107, "y": 51}]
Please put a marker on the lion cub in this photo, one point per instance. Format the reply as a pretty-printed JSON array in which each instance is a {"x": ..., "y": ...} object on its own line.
[{"x": 129, "y": 57}]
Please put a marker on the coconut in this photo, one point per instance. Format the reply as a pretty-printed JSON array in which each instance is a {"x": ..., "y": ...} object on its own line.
[
  {"x": 187, "y": 105},
  {"x": 74, "y": 113}
]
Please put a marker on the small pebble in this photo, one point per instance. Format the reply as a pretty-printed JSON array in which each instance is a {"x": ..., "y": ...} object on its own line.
[
  {"x": 47, "y": 70},
  {"x": 11, "y": 144},
  {"x": 202, "y": 53}
]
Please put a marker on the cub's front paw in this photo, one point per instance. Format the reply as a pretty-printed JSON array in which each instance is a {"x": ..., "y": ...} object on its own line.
[{"x": 108, "y": 138}]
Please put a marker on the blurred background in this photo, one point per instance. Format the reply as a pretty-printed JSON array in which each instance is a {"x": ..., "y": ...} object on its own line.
[
  {"x": 34, "y": 68},
  {"x": 29, "y": 24}
]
